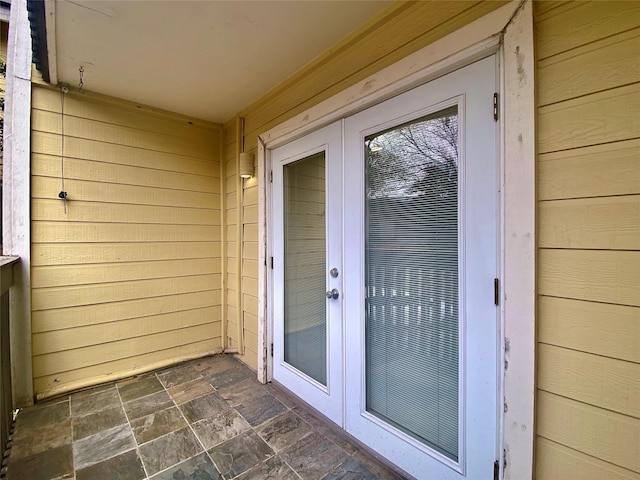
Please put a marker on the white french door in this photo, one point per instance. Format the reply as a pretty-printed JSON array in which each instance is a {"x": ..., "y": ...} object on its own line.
[
  {"x": 395, "y": 208},
  {"x": 307, "y": 251}
]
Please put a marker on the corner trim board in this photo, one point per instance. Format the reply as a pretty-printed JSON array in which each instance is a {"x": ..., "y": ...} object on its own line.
[{"x": 16, "y": 198}]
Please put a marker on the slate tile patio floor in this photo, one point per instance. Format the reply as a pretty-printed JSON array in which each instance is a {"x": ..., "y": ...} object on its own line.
[{"x": 204, "y": 419}]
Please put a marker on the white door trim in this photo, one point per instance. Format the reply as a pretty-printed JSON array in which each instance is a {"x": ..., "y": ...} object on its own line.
[{"x": 508, "y": 29}]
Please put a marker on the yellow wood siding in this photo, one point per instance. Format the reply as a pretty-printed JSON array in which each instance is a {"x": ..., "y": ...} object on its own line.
[
  {"x": 128, "y": 278},
  {"x": 588, "y": 177},
  {"x": 396, "y": 32}
]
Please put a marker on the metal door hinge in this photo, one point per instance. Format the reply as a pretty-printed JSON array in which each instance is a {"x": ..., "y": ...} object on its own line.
[
  {"x": 272, "y": 349},
  {"x": 496, "y": 291},
  {"x": 271, "y": 263},
  {"x": 495, "y": 106},
  {"x": 270, "y": 176},
  {"x": 496, "y": 470}
]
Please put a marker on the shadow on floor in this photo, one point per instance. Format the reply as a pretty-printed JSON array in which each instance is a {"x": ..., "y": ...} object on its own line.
[{"x": 205, "y": 419}]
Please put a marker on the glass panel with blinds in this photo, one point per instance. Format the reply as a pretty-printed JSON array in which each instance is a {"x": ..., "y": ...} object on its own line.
[
  {"x": 411, "y": 252},
  {"x": 305, "y": 328}
]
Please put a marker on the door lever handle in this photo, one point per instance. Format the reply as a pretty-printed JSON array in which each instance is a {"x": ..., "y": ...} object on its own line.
[{"x": 333, "y": 294}]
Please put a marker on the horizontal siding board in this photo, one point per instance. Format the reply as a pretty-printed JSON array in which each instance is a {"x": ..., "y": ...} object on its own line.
[
  {"x": 250, "y": 358},
  {"x": 232, "y": 233},
  {"x": 92, "y": 171},
  {"x": 602, "y": 170},
  {"x": 250, "y": 285},
  {"x": 250, "y": 304},
  {"x": 92, "y": 191},
  {"x": 251, "y": 231},
  {"x": 251, "y": 322},
  {"x": 584, "y": 22},
  {"x": 251, "y": 338},
  {"x": 609, "y": 63},
  {"x": 109, "y": 352},
  {"x": 59, "y": 297},
  {"x": 232, "y": 297},
  {"x": 79, "y": 148},
  {"x": 73, "y": 254},
  {"x": 543, "y": 7},
  {"x": 251, "y": 196},
  {"x": 603, "y": 117},
  {"x": 593, "y": 223},
  {"x": 232, "y": 265},
  {"x": 250, "y": 214},
  {"x": 606, "y": 435},
  {"x": 86, "y": 336},
  {"x": 599, "y": 381},
  {"x": 79, "y": 211},
  {"x": 48, "y": 122},
  {"x": 250, "y": 251},
  {"x": 564, "y": 463},
  {"x": 49, "y": 100},
  {"x": 595, "y": 275},
  {"x": 85, "y": 232},
  {"x": 127, "y": 366},
  {"x": 598, "y": 328},
  {"x": 250, "y": 268},
  {"x": 544, "y": 10},
  {"x": 63, "y": 276},
  {"x": 85, "y": 315}
]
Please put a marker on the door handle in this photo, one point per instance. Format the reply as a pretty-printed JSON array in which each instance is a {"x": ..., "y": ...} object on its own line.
[{"x": 333, "y": 294}]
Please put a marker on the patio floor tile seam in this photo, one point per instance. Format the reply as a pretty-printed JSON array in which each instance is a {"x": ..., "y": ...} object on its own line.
[
  {"x": 234, "y": 409},
  {"x": 144, "y": 467},
  {"x": 251, "y": 428},
  {"x": 277, "y": 454},
  {"x": 166, "y": 389}
]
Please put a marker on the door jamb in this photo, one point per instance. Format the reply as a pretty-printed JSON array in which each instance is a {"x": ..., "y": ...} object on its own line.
[{"x": 509, "y": 30}]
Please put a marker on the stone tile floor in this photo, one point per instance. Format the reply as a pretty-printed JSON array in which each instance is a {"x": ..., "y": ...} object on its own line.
[{"x": 204, "y": 419}]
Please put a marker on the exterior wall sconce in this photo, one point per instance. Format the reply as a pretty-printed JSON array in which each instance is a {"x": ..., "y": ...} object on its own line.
[{"x": 246, "y": 165}]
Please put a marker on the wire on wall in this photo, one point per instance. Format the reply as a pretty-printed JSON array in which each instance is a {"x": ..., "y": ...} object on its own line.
[{"x": 63, "y": 194}]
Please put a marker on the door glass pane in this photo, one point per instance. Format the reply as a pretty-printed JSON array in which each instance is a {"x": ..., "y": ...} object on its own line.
[
  {"x": 305, "y": 336},
  {"x": 412, "y": 278}
]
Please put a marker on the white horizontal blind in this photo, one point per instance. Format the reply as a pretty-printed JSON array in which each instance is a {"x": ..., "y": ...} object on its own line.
[
  {"x": 304, "y": 266},
  {"x": 412, "y": 278}
]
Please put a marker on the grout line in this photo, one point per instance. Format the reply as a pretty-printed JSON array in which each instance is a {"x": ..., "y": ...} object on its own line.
[
  {"x": 204, "y": 450},
  {"x": 144, "y": 468},
  {"x": 73, "y": 457}
]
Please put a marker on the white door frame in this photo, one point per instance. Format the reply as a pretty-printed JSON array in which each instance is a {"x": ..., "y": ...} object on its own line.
[{"x": 509, "y": 31}]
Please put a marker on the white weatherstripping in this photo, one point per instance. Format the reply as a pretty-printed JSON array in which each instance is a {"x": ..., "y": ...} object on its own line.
[
  {"x": 518, "y": 195},
  {"x": 16, "y": 198}
]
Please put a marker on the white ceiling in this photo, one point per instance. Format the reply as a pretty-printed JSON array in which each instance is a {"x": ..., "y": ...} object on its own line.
[{"x": 206, "y": 59}]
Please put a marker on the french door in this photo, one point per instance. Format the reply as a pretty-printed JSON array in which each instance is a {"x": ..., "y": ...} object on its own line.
[
  {"x": 385, "y": 254},
  {"x": 307, "y": 250}
]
